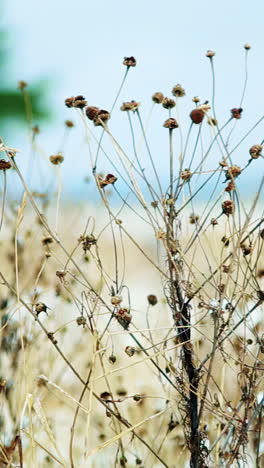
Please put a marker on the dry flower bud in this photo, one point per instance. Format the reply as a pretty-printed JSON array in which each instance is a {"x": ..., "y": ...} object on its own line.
[
  {"x": 69, "y": 123},
  {"x": 171, "y": 123},
  {"x": 40, "y": 307},
  {"x": 109, "y": 179},
  {"x": 47, "y": 240},
  {"x": 130, "y": 350},
  {"x": 236, "y": 112},
  {"x": 129, "y": 61},
  {"x": 130, "y": 106},
  {"x": 212, "y": 122},
  {"x": 4, "y": 165},
  {"x": 116, "y": 300},
  {"x": 157, "y": 98},
  {"x": 56, "y": 159},
  {"x": 255, "y": 151},
  {"x": 228, "y": 207},
  {"x": 186, "y": 175},
  {"x": 193, "y": 218},
  {"x": 112, "y": 359},
  {"x": 22, "y": 84},
  {"x": 196, "y": 99},
  {"x": 168, "y": 103},
  {"x": 152, "y": 299},
  {"x": 232, "y": 172},
  {"x": 246, "y": 249},
  {"x": 230, "y": 187},
  {"x": 77, "y": 101},
  {"x": 247, "y": 46},
  {"x": 210, "y": 53},
  {"x": 92, "y": 112},
  {"x": 197, "y": 115},
  {"x": 178, "y": 91},
  {"x": 81, "y": 321}
]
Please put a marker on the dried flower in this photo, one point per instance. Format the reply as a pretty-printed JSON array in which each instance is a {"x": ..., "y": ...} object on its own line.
[
  {"x": 160, "y": 235},
  {"x": 116, "y": 300},
  {"x": 4, "y": 165},
  {"x": 214, "y": 222},
  {"x": 246, "y": 249},
  {"x": 61, "y": 275},
  {"x": 236, "y": 112},
  {"x": 225, "y": 241},
  {"x": 223, "y": 163},
  {"x": 212, "y": 122},
  {"x": 230, "y": 187},
  {"x": 168, "y": 103},
  {"x": 110, "y": 179},
  {"x": 255, "y": 151},
  {"x": 87, "y": 242},
  {"x": 232, "y": 172},
  {"x": 77, "y": 101},
  {"x": 102, "y": 118},
  {"x": 210, "y": 53},
  {"x": 247, "y": 46},
  {"x": 154, "y": 204},
  {"x": 112, "y": 359},
  {"x": 69, "y": 123},
  {"x": 40, "y": 307},
  {"x": 92, "y": 112},
  {"x": 261, "y": 233},
  {"x": 56, "y": 159},
  {"x": 228, "y": 207},
  {"x": 124, "y": 317},
  {"x": 130, "y": 350},
  {"x": 81, "y": 321},
  {"x": 130, "y": 106},
  {"x": 171, "y": 123},
  {"x": 35, "y": 130},
  {"x": 197, "y": 115},
  {"x": 47, "y": 240},
  {"x": 178, "y": 91},
  {"x": 226, "y": 268},
  {"x": 196, "y": 99},
  {"x": 157, "y": 98},
  {"x": 193, "y": 218},
  {"x": 129, "y": 61},
  {"x": 152, "y": 299},
  {"x": 106, "y": 396},
  {"x": 186, "y": 175}
]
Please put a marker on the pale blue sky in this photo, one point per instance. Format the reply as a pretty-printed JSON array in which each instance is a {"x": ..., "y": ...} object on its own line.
[{"x": 78, "y": 47}]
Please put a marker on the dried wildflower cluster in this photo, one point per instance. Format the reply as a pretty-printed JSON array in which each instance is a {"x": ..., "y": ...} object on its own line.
[{"x": 139, "y": 315}]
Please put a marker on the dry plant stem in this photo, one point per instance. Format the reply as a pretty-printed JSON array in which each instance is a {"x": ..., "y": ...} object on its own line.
[
  {"x": 3, "y": 200},
  {"x": 51, "y": 338}
]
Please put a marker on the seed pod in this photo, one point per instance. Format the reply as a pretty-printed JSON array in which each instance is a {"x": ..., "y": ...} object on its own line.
[
  {"x": 197, "y": 115},
  {"x": 193, "y": 218},
  {"x": 130, "y": 350},
  {"x": 40, "y": 307},
  {"x": 171, "y": 123},
  {"x": 247, "y": 46},
  {"x": 230, "y": 187},
  {"x": 130, "y": 106},
  {"x": 102, "y": 118},
  {"x": 77, "y": 101},
  {"x": 178, "y": 91},
  {"x": 157, "y": 98},
  {"x": 69, "y": 123},
  {"x": 56, "y": 159},
  {"x": 81, "y": 321},
  {"x": 116, "y": 300},
  {"x": 168, "y": 103},
  {"x": 92, "y": 112},
  {"x": 255, "y": 151},
  {"x": 186, "y": 175},
  {"x": 152, "y": 299},
  {"x": 228, "y": 207}
]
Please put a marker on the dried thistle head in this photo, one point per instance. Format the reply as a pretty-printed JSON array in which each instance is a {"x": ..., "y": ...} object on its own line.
[
  {"x": 130, "y": 106},
  {"x": 171, "y": 123},
  {"x": 77, "y": 101},
  {"x": 157, "y": 98},
  {"x": 228, "y": 207},
  {"x": 178, "y": 91},
  {"x": 233, "y": 172},
  {"x": 255, "y": 151},
  {"x": 56, "y": 159},
  {"x": 168, "y": 103},
  {"x": 186, "y": 174},
  {"x": 4, "y": 165},
  {"x": 129, "y": 61},
  {"x": 236, "y": 112}
]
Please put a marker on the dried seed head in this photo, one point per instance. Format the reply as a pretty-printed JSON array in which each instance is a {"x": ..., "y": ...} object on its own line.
[
  {"x": 160, "y": 235},
  {"x": 109, "y": 179},
  {"x": 112, "y": 359},
  {"x": 154, "y": 204},
  {"x": 87, "y": 242},
  {"x": 168, "y": 103},
  {"x": 116, "y": 300},
  {"x": 130, "y": 350},
  {"x": 40, "y": 307},
  {"x": 247, "y": 46},
  {"x": 236, "y": 112},
  {"x": 228, "y": 207},
  {"x": 157, "y": 98},
  {"x": 232, "y": 172},
  {"x": 214, "y": 222},
  {"x": 102, "y": 118},
  {"x": 230, "y": 186},
  {"x": 186, "y": 175},
  {"x": 69, "y": 123},
  {"x": 129, "y": 61},
  {"x": 223, "y": 163},
  {"x": 137, "y": 397},
  {"x": 197, "y": 115},
  {"x": 246, "y": 249},
  {"x": 22, "y": 84},
  {"x": 130, "y": 106},
  {"x": 171, "y": 123},
  {"x": 124, "y": 317},
  {"x": 225, "y": 241},
  {"x": 61, "y": 274},
  {"x": 106, "y": 396},
  {"x": 178, "y": 91},
  {"x": 152, "y": 299},
  {"x": 56, "y": 159},
  {"x": 77, "y": 101},
  {"x": 210, "y": 54},
  {"x": 193, "y": 218},
  {"x": 4, "y": 165},
  {"x": 92, "y": 112},
  {"x": 196, "y": 99},
  {"x": 47, "y": 240},
  {"x": 226, "y": 268},
  {"x": 212, "y": 122},
  {"x": 255, "y": 151},
  {"x": 81, "y": 321}
]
